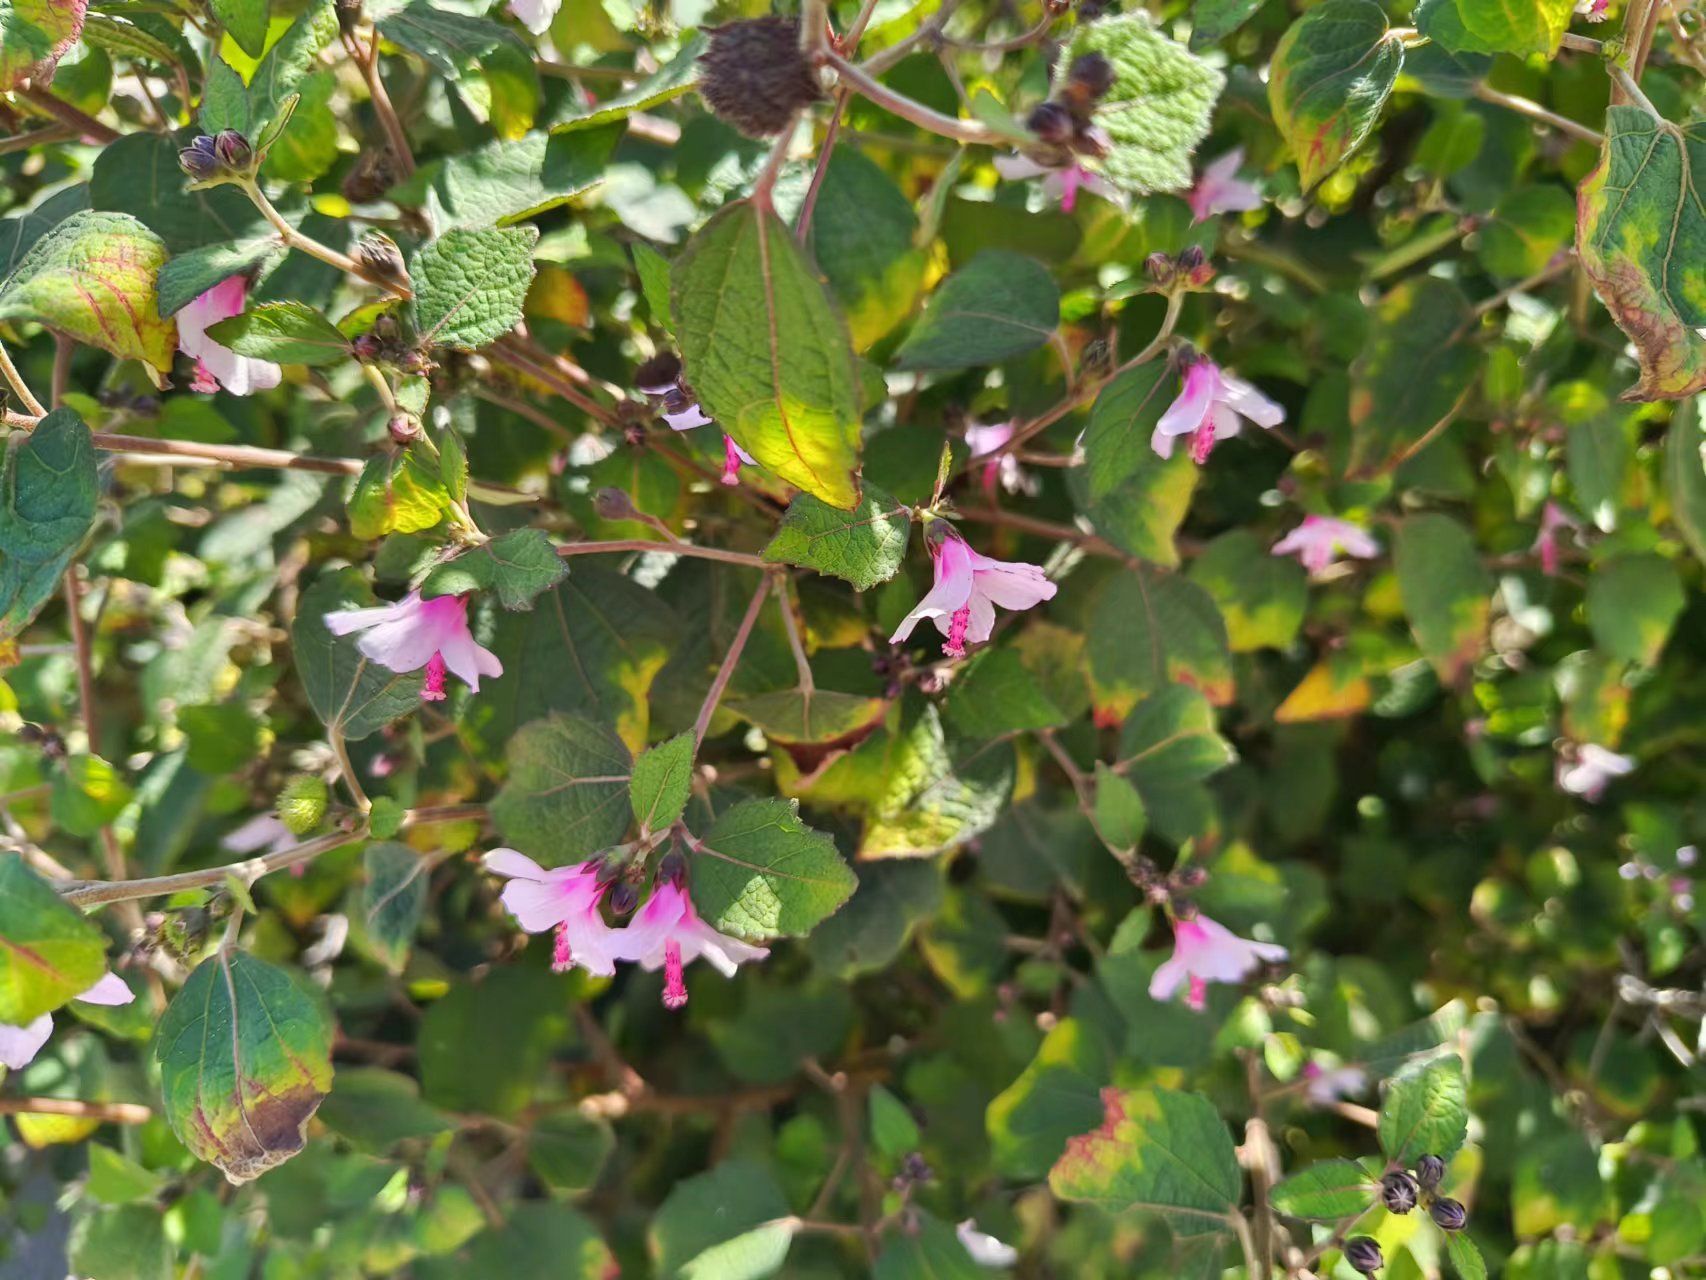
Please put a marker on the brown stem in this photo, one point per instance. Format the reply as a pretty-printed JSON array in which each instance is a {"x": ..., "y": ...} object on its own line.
[
  {"x": 802, "y": 666},
  {"x": 966, "y": 131},
  {"x": 731, "y": 659},
  {"x": 90, "y": 893},
  {"x": 86, "y": 126},
  {"x": 63, "y": 349},
  {"x": 388, "y": 121},
  {"x": 105, "y": 1112},
  {"x": 668, "y": 548},
  {"x": 231, "y": 455},
  {"x": 803, "y": 223},
  {"x": 1088, "y": 542},
  {"x": 1534, "y": 111}
]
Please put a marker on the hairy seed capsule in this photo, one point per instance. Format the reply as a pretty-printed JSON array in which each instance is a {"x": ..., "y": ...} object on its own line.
[
  {"x": 302, "y": 803},
  {"x": 1449, "y": 1214},
  {"x": 1430, "y": 1172},
  {"x": 753, "y": 76},
  {"x": 1364, "y": 1255},
  {"x": 1052, "y": 123},
  {"x": 1398, "y": 1191}
]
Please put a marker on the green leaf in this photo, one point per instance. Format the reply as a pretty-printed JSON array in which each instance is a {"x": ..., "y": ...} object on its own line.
[
  {"x": 567, "y": 792},
  {"x": 273, "y": 87},
  {"x": 935, "y": 794},
  {"x": 1530, "y": 225},
  {"x": 1331, "y": 74},
  {"x": 653, "y": 269},
  {"x": 761, "y": 873},
  {"x": 48, "y": 952},
  {"x": 999, "y": 305},
  {"x": 892, "y": 899},
  {"x": 20, "y": 231},
  {"x": 1117, "y": 441},
  {"x": 994, "y": 695},
  {"x": 1157, "y": 1151},
  {"x": 508, "y": 180},
  {"x": 392, "y": 899},
  {"x": 139, "y": 176},
  {"x": 1414, "y": 373},
  {"x": 1214, "y": 20},
  {"x": 1447, "y": 593},
  {"x": 1158, "y": 107},
  {"x": 245, "y": 21},
  {"x": 1425, "y": 1112},
  {"x": 668, "y": 82},
  {"x": 730, "y": 1223},
  {"x": 1261, "y": 596},
  {"x": 1325, "y": 1192},
  {"x": 245, "y": 1058},
  {"x": 1143, "y": 512},
  {"x": 929, "y": 1250},
  {"x": 35, "y": 35},
  {"x": 1056, "y": 1098},
  {"x": 536, "y": 1237},
  {"x": 1151, "y": 629},
  {"x": 1685, "y": 476},
  {"x": 893, "y": 1129},
  {"x": 1464, "y": 1257},
  {"x": 88, "y": 793},
  {"x": 766, "y": 353},
  {"x": 48, "y": 491},
  {"x": 1633, "y": 601},
  {"x": 351, "y": 694},
  {"x": 814, "y": 715},
  {"x": 519, "y": 566},
  {"x": 863, "y": 238},
  {"x": 864, "y": 546},
  {"x": 517, "y": 1017},
  {"x": 1119, "y": 813},
  {"x": 397, "y": 493},
  {"x": 126, "y": 1243},
  {"x": 283, "y": 332},
  {"x": 470, "y": 285},
  {"x": 189, "y": 275},
  {"x": 92, "y": 278},
  {"x": 1641, "y": 220},
  {"x": 1519, "y": 27},
  {"x": 662, "y": 782},
  {"x": 224, "y": 99},
  {"x": 568, "y": 1150}
]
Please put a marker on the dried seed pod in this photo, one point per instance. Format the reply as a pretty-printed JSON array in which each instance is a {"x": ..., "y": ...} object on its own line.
[{"x": 753, "y": 76}]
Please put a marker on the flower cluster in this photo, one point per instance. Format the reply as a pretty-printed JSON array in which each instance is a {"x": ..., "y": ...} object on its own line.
[
  {"x": 568, "y": 902},
  {"x": 1401, "y": 1191}
]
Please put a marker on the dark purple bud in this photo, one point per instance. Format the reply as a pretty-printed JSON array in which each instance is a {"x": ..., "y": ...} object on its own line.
[
  {"x": 1093, "y": 73},
  {"x": 1364, "y": 1255},
  {"x": 1192, "y": 257},
  {"x": 613, "y": 504},
  {"x": 614, "y": 865},
  {"x": 1398, "y": 1192},
  {"x": 403, "y": 428},
  {"x": 1449, "y": 1214},
  {"x": 672, "y": 867},
  {"x": 366, "y": 347},
  {"x": 1430, "y": 1172},
  {"x": 1159, "y": 267},
  {"x": 233, "y": 149},
  {"x": 199, "y": 159},
  {"x": 657, "y": 375},
  {"x": 624, "y": 898},
  {"x": 1052, "y": 122}
]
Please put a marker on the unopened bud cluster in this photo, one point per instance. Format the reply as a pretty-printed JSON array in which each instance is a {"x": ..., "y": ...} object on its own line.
[
  {"x": 219, "y": 158},
  {"x": 1401, "y": 1191},
  {"x": 1189, "y": 269},
  {"x": 1064, "y": 121}
]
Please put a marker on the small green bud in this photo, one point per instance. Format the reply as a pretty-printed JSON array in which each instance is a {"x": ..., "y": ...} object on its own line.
[{"x": 302, "y": 803}]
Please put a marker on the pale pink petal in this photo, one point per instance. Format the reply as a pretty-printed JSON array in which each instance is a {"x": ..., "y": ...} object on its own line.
[
  {"x": 1017, "y": 167},
  {"x": 238, "y": 374},
  {"x": 653, "y": 925},
  {"x": 952, "y": 590},
  {"x": 1192, "y": 404},
  {"x": 980, "y": 619},
  {"x": 517, "y": 866},
  {"x": 468, "y": 660},
  {"x": 1011, "y": 584},
  {"x": 690, "y": 417},
  {"x": 340, "y": 622},
  {"x": 110, "y": 990},
  {"x": 981, "y": 439},
  {"x": 1167, "y": 978},
  {"x": 535, "y": 15},
  {"x": 19, "y": 1045},
  {"x": 263, "y": 831},
  {"x": 984, "y": 1249},
  {"x": 1248, "y": 402}
]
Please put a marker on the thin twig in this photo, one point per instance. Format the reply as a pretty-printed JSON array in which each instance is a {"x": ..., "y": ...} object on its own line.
[
  {"x": 790, "y": 624},
  {"x": 714, "y": 694},
  {"x": 1534, "y": 111},
  {"x": 666, "y": 548},
  {"x": 91, "y": 893},
  {"x": 16, "y": 381},
  {"x": 967, "y": 131},
  {"x": 803, "y": 222},
  {"x": 104, "y": 1112}
]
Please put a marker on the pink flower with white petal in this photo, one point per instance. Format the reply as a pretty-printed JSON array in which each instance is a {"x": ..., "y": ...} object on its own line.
[
  {"x": 985, "y": 440},
  {"x": 1205, "y": 952},
  {"x": 1219, "y": 189},
  {"x": 1320, "y": 540},
  {"x": 1554, "y": 520},
  {"x": 1209, "y": 408},
  {"x": 19, "y": 1045},
  {"x": 217, "y": 366},
  {"x": 1328, "y": 1085},
  {"x": 1063, "y": 183},
  {"x": 565, "y": 901},
  {"x": 734, "y": 457},
  {"x": 968, "y": 587},
  {"x": 416, "y": 633},
  {"x": 668, "y": 934},
  {"x": 535, "y": 15},
  {"x": 1588, "y": 769},
  {"x": 1593, "y": 10},
  {"x": 985, "y": 1250}
]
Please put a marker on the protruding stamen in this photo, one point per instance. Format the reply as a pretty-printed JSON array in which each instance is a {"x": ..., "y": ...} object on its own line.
[
  {"x": 731, "y": 469},
  {"x": 1202, "y": 443},
  {"x": 433, "y": 689},
  {"x": 956, "y": 646},
  {"x": 674, "y": 989},
  {"x": 562, "y": 956}
]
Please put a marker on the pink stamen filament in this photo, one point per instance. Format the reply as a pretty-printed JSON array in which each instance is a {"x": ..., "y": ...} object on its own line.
[
  {"x": 956, "y": 646},
  {"x": 433, "y": 689},
  {"x": 562, "y": 956},
  {"x": 731, "y": 468},
  {"x": 674, "y": 989}
]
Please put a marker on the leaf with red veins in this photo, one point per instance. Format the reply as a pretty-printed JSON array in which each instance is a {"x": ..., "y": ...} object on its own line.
[{"x": 34, "y": 36}]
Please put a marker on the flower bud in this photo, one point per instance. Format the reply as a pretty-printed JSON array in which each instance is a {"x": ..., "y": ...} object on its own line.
[
  {"x": 753, "y": 76},
  {"x": 1430, "y": 1172},
  {"x": 672, "y": 867},
  {"x": 1398, "y": 1192},
  {"x": 378, "y": 256},
  {"x": 366, "y": 348},
  {"x": 302, "y": 804},
  {"x": 624, "y": 898},
  {"x": 1159, "y": 268},
  {"x": 199, "y": 160},
  {"x": 1093, "y": 73},
  {"x": 1449, "y": 1214},
  {"x": 1363, "y": 1253},
  {"x": 1192, "y": 257},
  {"x": 1051, "y": 122},
  {"x": 233, "y": 149},
  {"x": 612, "y": 503},
  {"x": 659, "y": 374},
  {"x": 403, "y": 428}
]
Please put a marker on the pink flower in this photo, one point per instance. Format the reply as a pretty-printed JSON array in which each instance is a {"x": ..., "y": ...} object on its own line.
[
  {"x": 1219, "y": 189},
  {"x": 217, "y": 366},
  {"x": 1587, "y": 770},
  {"x": 1592, "y": 10},
  {"x": 1206, "y": 952},
  {"x": 984, "y": 440},
  {"x": 1329, "y": 1085},
  {"x": 263, "y": 831},
  {"x": 733, "y": 457},
  {"x": 535, "y": 15},
  {"x": 1063, "y": 183},
  {"x": 566, "y": 900},
  {"x": 416, "y": 633},
  {"x": 19, "y": 1045},
  {"x": 968, "y": 587},
  {"x": 1320, "y": 540},
  {"x": 1553, "y": 521},
  {"x": 985, "y": 1249},
  {"x": 1208, "y": 408},
  {"x": 667, "y": 933}
]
